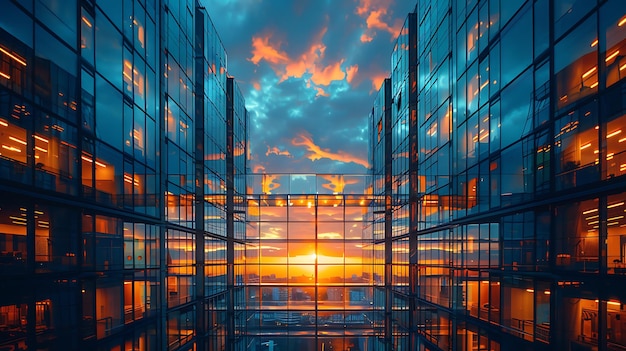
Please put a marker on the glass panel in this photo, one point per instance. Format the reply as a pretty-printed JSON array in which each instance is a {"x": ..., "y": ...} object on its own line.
[
  {"x": 576, "y": 63},
  {"x": 577, "y": 236},
  {"x": 614, "y": 32},
  {"x": 60, "y": 17}
]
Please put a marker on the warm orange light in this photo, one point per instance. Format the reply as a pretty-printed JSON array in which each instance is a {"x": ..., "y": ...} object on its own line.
[
  {"x": 484, "y": 85},
  {"x": 4, "y": 75},
  {"x": 615, "y": 205},
  {"x": 611, "y": 56},
  {"x": 530, "y": 290},
  {"x": 86, "y": 21},
  {"x": 590, "y": 211},
  {"x": 17, "y": 140},
  {"x": 585, "y": 146},
  {"x": 614, "y": 133},
  {"x": 622, "y": 22},
  {"x": 15, "y": 57},
  {"x": 11, "y": 148},
  {"x": 40, "y": 138},
  {"x": 3, "y": 123},
  {"x": 593, "y": 85},
  {"x": 589, "y": 72},
  {"x": 594, "y": 43}
]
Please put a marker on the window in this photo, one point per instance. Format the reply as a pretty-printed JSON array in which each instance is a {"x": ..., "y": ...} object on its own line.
[
  {"x": 577, "y": 236},
  {"x": 576, "y": 63},
  {"x": 613, "y": 29},
  {"x": 576, "y": 147},
  {"x": 87, "y": 45}
]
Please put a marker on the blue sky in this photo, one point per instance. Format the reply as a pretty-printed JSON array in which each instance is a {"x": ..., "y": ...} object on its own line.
[{"x": 309, "y": 71}]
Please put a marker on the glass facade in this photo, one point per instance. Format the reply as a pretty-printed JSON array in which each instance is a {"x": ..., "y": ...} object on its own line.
[
  {"x": 105, "y": 240},
  {"x": 511, "y": 230},
  {"x": 311, "y": 270},
  {"x": 491, "y": 219}
]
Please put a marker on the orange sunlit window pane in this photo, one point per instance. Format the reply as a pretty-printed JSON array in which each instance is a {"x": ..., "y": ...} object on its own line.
[
  {"x": 616, "y": 147},
  {"x": 12, "y": 141}
]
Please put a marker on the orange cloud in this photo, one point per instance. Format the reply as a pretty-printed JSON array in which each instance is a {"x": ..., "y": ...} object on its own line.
[
  {"x": 377, "y": 80},
  {"x": 366, "y": 38},
  {"x": 374, "y": 12},
  {"x": 256, "y": 85},
  {"x": 276, "y": 151},
  {"x": 310, "y": 62},
  {"x": 240, "y": 149},
  {"x": 317, "y": 153},
  {"x": 268, "y": 184},
  {"x": 351, "y": 72},
  {"x": 258, "y": 169},
  {"x": 215, "y": 157},
  {"x": 321, "y": 92},
  {"x": 262, "y": 49},
  {"x": 337, "y": 183}
]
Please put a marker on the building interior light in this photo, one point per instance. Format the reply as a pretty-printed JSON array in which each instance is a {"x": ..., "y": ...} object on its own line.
[
  {"x": 594, "y": 43},
  {"x": 530, "y": 290},
  {"x": 589, "y": 72},
  {"x": 615, "y": 205},
  {"x": 4, "y": 75},
  {"x": 622, "y": 21},
  {"x": 40, "y": 138},
  {"x": 585, "y": 146},
  {"x": 590, "y": 211},
  {"x": 611, "y": 56},
  {"x": 17, "y": 140},
  {"x": 11, "y": 148},
  {"x": 14, "y": 57},
  {"x": 613, "y": 133},
  {"x": 86, "y": 21}
]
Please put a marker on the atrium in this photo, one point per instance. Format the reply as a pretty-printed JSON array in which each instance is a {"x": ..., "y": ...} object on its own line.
[{"x": 489, "y": 214}]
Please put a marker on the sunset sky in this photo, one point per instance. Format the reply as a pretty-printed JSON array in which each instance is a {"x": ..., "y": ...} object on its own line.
[{"x": 309, "y": 71}]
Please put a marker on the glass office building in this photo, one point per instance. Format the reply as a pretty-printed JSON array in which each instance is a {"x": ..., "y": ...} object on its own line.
[
  {"x": 492, "y": 218},
  {"x": 513, "y": 182},
  {"x": 119, "y": 128}
]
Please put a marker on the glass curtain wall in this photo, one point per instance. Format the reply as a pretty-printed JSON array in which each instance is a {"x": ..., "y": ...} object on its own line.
[
  {"x": 102, "y": 244},
  {"x": 519, "y": 119},
  {"x": 309, "y": 268}
]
